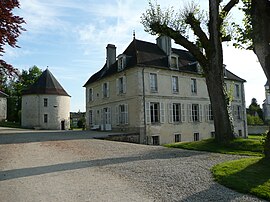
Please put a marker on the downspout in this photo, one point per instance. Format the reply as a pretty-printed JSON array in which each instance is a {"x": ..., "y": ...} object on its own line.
[{"x": 145, "y": 140}]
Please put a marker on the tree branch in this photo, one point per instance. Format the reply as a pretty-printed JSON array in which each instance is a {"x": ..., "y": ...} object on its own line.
[
  {"x": 195, "y": 26},
  {"x": 181, "y": 40},
  {"x": 228, "y": 7}
]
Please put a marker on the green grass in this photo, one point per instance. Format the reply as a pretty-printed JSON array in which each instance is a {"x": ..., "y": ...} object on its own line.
[
  {"x": 248, "y": 175},
  {"x": 238, "y": 146},
  {"x": 256, "y": 137},
  {"x": 10, "y": 124}
]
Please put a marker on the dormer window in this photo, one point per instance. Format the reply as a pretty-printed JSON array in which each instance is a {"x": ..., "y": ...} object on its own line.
[
  {"x": 174, "y": 62},
  {"x": 121, "y": 62}
]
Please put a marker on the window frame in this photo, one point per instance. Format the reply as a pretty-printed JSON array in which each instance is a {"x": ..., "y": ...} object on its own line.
[
  {"x": 45, "y": 118},
  {"x": 153, "y": 80},
  {"x": 45, "y": 102},
  {"x": 175, "y": 84},
  {"x": 196, "y": 137},
  {"x": 194, "y": 89},
  {"x": 177, "y": 137}
]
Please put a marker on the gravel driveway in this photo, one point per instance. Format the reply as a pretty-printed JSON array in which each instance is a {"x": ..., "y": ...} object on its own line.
[{"x": 74, "y": 167}]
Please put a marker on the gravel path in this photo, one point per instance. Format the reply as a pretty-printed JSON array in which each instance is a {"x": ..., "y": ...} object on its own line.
[{"x": 95, "y": 170}]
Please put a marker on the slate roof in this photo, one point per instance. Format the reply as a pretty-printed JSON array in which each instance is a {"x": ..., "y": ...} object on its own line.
[
  {"x": 145, "y": 54},
  {"x": 46, "y": 84},
  {"x": 2, "y": 94}
]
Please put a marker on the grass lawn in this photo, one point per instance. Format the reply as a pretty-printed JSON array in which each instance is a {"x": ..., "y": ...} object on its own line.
[
  {"x": 10, "y": 124},
  {"x": 255, "y": 137},
  {"x": 249, "y": 175},
  {"x": 238, "y": 146}
]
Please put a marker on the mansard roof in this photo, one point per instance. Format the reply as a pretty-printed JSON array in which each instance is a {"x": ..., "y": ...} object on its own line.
[
  {"x": 145, "y": 54},
  {"x": 46, "y": 84},
  {"x": 2, "y": 94}
]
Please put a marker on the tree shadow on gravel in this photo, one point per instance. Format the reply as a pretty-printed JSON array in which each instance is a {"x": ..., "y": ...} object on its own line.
[
  {"x": 159, "y": 153},
  {"x": 43, "y": 136}
]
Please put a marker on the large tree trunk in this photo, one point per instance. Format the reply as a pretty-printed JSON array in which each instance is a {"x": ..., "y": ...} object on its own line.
[
  {"x": 215, "y": 79},
  {"x": 260, "y": 19}
]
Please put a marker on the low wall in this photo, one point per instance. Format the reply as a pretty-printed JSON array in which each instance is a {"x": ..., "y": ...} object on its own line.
[
  {"x": 132, "y": 138},
  {"x": 257, "y": 129}
]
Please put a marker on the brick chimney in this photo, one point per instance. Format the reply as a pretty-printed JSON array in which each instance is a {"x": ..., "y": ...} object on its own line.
[
  {"x": 111, "y": 55},
  {"x": 164, "y": 42}
]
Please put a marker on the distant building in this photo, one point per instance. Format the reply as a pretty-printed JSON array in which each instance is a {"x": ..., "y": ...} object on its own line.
[
  {"x": 46, "y": 105},
  {"x": 266, "y": 103},
  {"x": 158, "y": 92},
  {"x": 3, "y": 106},
  {"x": 75, "y": 117}
]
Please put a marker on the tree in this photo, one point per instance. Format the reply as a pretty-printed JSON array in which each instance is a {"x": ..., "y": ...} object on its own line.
[
  {"x": 254, "y": 109},
  {"x": 174, "y": 25},
  {"x": 10, "y": 29},
  {"x": 15, "y": 86},
  {"x": 255, "y": 35}
]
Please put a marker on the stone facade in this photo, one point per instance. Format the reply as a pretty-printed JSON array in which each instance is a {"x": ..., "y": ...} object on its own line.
[
  {"x": 163, "y": 105},
  {"x": 53, "y": 115},
  {"x": 266, "y": 103},
  {"x": 3, "y": 106}
]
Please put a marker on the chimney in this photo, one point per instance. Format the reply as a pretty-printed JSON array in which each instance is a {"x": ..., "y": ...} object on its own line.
[
  {"x": 111, "y": 55},
  {"x": 164, "y": 42}
]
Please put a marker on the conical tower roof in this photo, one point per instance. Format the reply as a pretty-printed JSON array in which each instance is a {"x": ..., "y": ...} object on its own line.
[{"x": 46, "y": 84}]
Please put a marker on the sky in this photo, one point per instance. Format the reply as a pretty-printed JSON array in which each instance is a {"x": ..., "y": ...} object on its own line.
[{"x": 70, "y": 38}]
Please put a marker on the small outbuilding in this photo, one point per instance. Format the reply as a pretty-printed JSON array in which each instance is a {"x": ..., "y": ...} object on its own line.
[
  {"x": 3, "y": 106},
  {"x": 46, "y": 105}
]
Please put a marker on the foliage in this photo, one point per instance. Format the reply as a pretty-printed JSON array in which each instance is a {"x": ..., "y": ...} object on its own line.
[
  {"x": 237, "y": 146},
  {"x": 267, "y": 146},
  {"x": 248, "y": 175},
  {"x": 81, "y": 123},
  {"x": 10, "y": 124},
  {"x": 14, "y": 87},
  {"x": 254, "y": 120},
  {"x": 10, "y": 29}
]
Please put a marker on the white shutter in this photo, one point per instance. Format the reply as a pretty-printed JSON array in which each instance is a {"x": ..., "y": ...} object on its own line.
[
  {"x": 170, "y": 112},
  {"x": 189, "y": 112},
  {"x": 183, "y": 115},
  {"x": 117, "y": 86},
  {"x": 147, "y": 112},
  {"x": 162, "y": 113},
  {"x": 126, "y": 113},
  {"x": 200, "y": 113},
  {"x": 124, "y": 84},
  {"x": 109, "y": 115},
  {"x": 206, "y": 112},
  {"x": 117, "y": 114}
]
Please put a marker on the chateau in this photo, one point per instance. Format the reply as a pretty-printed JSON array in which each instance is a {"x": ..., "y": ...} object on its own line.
[{"x": 158, "y": 92}]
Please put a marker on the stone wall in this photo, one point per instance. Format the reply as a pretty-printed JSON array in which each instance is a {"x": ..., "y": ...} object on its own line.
[{"x": 257, "y": 129}]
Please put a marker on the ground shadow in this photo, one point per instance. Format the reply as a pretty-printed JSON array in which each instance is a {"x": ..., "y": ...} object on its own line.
[
  {"x": 43, "y": 136},
  {"x": 159, "y": 153}
]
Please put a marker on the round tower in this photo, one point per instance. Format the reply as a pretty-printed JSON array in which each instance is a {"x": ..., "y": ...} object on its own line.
[{"x": 46, "y": 105}]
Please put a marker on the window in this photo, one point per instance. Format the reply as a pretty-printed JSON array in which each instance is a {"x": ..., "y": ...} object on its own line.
[
  {"x": 240, "y": 133},
  {"x": 90, "y": 117},
  {"x": 237, "y": 91},
  {"x": 153, "y": 82},
  {"x": 45, "y": 118},
  {"x": 121, "y": 114},
  {"x": 175, "y": 85},
  {"x": 105, "y": 89},
  {"x": 121, "y": 85},
  {"x": 195, "y": 112},
  {"x": 213, "y": 134},
  {"x": 177, "y": 137},
  {"x": 121, "y": 63},
  {"x": 193, "y": 86},
  {"x": 154, "y": 111},
  {"x": 209, "y": 113},
  {"x": 90, "y": 94},
  {"x": 45, "y": 102},
  {"x": 176, "y": 112},
  {"x": 155, "y": 140},
  {"x": 173, "y": 62},
  {"x": 238, "y": 112},
  {"x": 196, "y": 136}
]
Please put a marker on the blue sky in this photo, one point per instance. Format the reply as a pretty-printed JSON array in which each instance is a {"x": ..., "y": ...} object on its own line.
[{"x": 70, "y": 37}]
